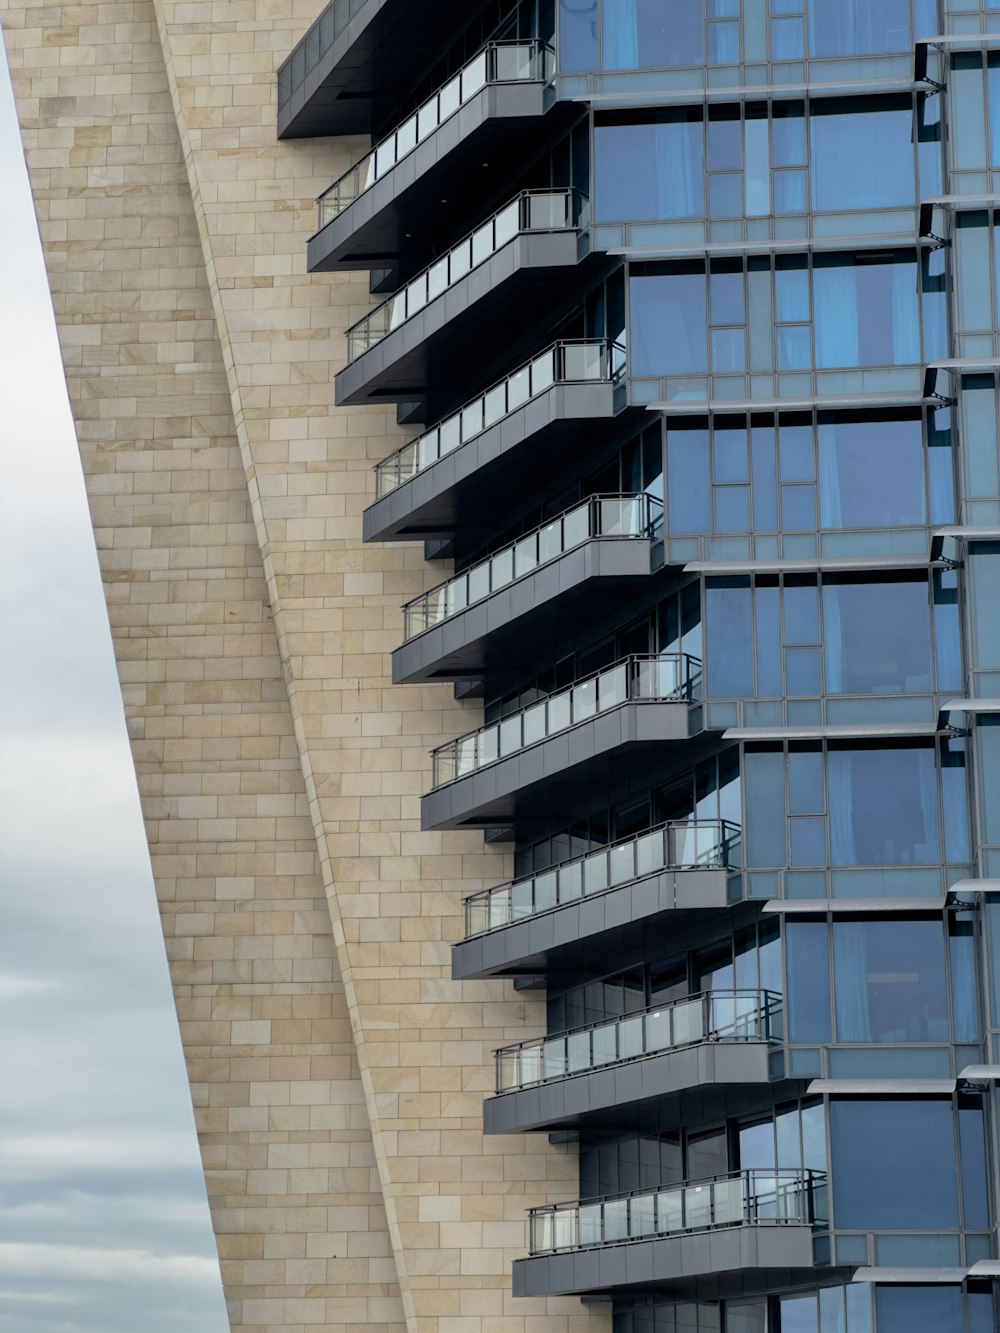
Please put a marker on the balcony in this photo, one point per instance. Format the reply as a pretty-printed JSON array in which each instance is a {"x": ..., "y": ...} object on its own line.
[
  {"x": 754, "y": 1220},
  {"x": 420, "y": 341},
  {"x": 608, "y": 900},
  {"x": 589, "y": 1074},
  {"x": 472, "y": 464},
  {"x": 453, "y": 151},
  {"x": 532, "y": 592},
  {"x": 345, "y": 74},
  {"x": 545, "y": 758}
]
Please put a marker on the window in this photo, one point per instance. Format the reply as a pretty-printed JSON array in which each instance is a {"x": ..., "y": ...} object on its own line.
[
  {"x": 882, "y": 806},
  {"x": 577, "y": 35},
  {"x": 867, "y": 313},
  {"x": 861, "y": 159},
  {"x": 651, "y": 171},
  {"x": 668, "y": 318},
  {"x": 645, "y": 34},
  {"x": 889, "y": 981},
  {"x": 858, "y": 27},
  {"x": 874, "y": 1145},
  {"x": 877, "y": 636},
  {"x": 871, "y": 475},
  {"x": 918, "y": 1309}
]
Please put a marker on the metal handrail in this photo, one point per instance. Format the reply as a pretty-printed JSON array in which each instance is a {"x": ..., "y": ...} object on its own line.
[
  {"x": 314, "y": 46},
  {"x": 683, "y": 844},
  {"x": 671, "y": 676},
  {"x": 618, "y": 517},
  {"x": 757, "y": 1196},
  {"x": 531, "y": 210},
  {"x": 715, "y": 1015},
  {"x": 530, "y": 61},
  {"x": 569, "y": 361}
]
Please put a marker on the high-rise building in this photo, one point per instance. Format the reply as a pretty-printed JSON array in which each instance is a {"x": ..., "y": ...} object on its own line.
[{"x": 607, "y": 940}]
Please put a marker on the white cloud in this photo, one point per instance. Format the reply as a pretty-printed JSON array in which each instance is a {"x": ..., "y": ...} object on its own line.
[
  {"x": 71, "y": 1262},
  {"x": 12, "y": 987},
  {"x": 99, "y": 1150}
]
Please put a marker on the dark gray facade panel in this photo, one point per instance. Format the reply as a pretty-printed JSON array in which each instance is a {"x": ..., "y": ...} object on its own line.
[
  {"x": 570, "y": 1101},
  {"x": 666, "y": 1260}
]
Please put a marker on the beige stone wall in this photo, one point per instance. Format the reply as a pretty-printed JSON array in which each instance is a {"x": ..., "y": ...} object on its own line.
[{"x": 338, "y": 1072}]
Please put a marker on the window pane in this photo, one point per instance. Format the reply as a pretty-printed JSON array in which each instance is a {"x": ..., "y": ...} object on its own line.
[
  {"x": 866, "y": 314},
  {"x": 858, "y": 27},
  {"x": 877, "y": 637},
  {"x": 871, "y": 475},
  {"x": 889, "y": 979},
  {"x": 883, "y": 807},
  {"x": 642, "y": 34},
  {"x": 668, "y": 325},
  {"x": 729, "y": 646},
  {"x": 808, "y": 982},
  {"x": 650, "y": 171},
  {"x": 765, "y": 809},
  {"x": 918, "y": 1309},
  {"x": 688, "y": 482},
  {"x": 577, "y": 35},
  {"x": 874, "y": 1145},
  {"x": 861, "y": 159}
]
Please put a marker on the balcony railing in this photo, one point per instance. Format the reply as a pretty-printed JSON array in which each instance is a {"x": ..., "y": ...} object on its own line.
[
  {"x": 500, "y": 62},
  {"x": 314, "y": 46},
  {"x": 532, "y": 210},
  {"x": 760, "y": 1196},
  {"x": 711, "y": 844},
  {"x": 610, "y": 516},
  {"x": 672, "y": 677},
  {"x": 595, "y": 362},
  {"x": 716, "y": 1015}
]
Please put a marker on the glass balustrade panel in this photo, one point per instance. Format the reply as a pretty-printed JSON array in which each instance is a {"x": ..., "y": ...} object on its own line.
[
  {"x": 659, "y": 1031},
  {"x": 670, "y": 1211},
  {"x": 546, "y": 891},
  {"x": 554, "y": 1059},
  {"x": 697, "y": 1207},
  {"x": 565, "y": 1232},
  {"x": 570, "y": 882},
  {"x": 604, "y": 1046},
  {"x": 642, "y": 1215},
  {"x": 589, "y": 1216},
  {"x": 630, "y": 1038},
  {"x": 688, "y": 1023},
  {"x": 728, "y": 1202},
  {"x": 578, "y": 1056}
]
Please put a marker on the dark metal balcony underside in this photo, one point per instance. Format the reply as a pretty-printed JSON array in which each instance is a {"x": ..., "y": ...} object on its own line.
[
  {"x": 615, "y": 923},
  {"x": 708, "y": 1259},
  {"x": 467, "y": 488},
  {"x": 354, "y": 88},
  {"x": 453, "y": 344},
  {"x": 492, "y": 639},
  {"x": 638, "y": 1089},
  {"x": 556, "y": 776},
  {"x": 432, "y": 192}
]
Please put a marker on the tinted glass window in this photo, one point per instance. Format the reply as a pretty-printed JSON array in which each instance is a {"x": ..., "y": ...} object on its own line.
[
  {"x": 858, "y": 27},
  {"x": 890, "y": 981},
  {"x": 866, "y": 314},
  {"x": 883, "y": 807},
  {"x": 877, "y": 637},
  {"x": 577, "y": 35},
  {"x": 871, "y": 475},
  {"x": 649, "y": 171},
  {"x": 669, "y": 317},
  {"x": 861, "y": 159},
  {"x": 647, "y": 34},
  {"x": 874, "y": 1147},
  {"x": 918, "y": 1309},
  {"x": 808, "y": 964}
]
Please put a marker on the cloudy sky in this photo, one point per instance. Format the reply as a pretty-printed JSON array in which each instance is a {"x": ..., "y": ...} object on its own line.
[{"x": 103, "y": 1221}]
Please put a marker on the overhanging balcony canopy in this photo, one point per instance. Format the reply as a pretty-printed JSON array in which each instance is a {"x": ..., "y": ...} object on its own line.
[
  {"x": 436, "y": 334},
  {"x": 481, "y": 459},
  {"x": 344, "y": 76},
  {"x": 546, "y": 757},
  {"x": 606, "y": 901},
  {"x": 528, "y": 596},
  {"x": 592, "y": 1073},
  {"x": 439, "y": 165},
  {"x": 757, "y": 1219}
]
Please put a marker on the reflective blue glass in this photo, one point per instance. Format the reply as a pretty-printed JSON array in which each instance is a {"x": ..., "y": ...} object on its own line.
[
  {"x": 808, "y": 964},
  {"x": 889, "y": 981},
  {"x": 972, "y": 1138},
  {"x": 729, "y": 651},
  {"x": 866, "y": 314},
  {"x": 689, "y": 489},
  {"x": 964, "y": 980},
  {"x": 764, "y": 797},
  {"x": 861, "y": 159},
  {"x": 799, "y": 1314},
  {"x": 805, "y": 782},
  {"x": 650, "y": 171},
  {"x": 668, "y": 321},
  {"x": 871, "y": 475},
  {"x": 884, "y": 807},
  {"x": 646, "y": 34},
  {"x": 873, "y": 1148},
  {"x": 919, "y": 1309},
  {"x": 858, "y": 27},
  {"x": 877, "y": 637},
  {"x": 767, "y": 604},
  {"x": 787, "y": 39},
  {"x": 577, "y": 36}
]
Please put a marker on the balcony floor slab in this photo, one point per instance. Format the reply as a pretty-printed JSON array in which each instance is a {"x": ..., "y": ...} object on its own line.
[
  {"x": 613, "y": 923},
  {"x": 603, "y": 1094}
]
